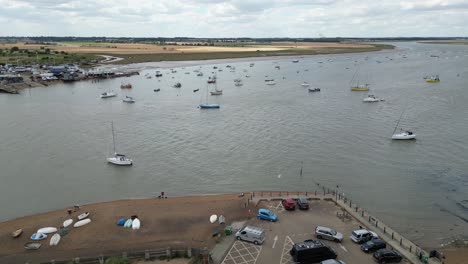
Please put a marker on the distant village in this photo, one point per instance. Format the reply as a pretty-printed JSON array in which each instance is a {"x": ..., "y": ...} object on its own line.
[{"x": 13, "y": 77}]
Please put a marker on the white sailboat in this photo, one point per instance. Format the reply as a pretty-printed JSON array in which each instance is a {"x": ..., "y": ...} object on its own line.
[
  {"x": 118, "y": 159},
  {"x": 216, "y": 91},
  {"x": 403, "y": 134}
]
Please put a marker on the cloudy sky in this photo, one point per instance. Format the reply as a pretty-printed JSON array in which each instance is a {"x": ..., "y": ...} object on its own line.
[{"x": 234, "y": 18}]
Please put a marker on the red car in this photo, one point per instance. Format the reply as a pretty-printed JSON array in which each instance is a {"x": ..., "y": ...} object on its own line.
[{"x": 289, "y": 204}]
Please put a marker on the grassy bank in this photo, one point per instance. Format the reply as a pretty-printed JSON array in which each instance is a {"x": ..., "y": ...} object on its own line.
[
  {"x": 453, "y": 42},
  {"x": 19, "y": 56},
  {"x": 182, "y": 56}
]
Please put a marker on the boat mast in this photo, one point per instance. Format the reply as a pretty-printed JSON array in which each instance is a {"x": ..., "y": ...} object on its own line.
[
  {"x": 113, "y": 140},
  {"x": 398, "y": 121}
]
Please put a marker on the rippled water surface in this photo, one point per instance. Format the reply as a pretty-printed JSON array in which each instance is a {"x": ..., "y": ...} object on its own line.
[{"x": 55, "y": 139}]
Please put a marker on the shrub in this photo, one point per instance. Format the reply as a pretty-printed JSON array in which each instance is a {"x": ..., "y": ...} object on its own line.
[{"x": 117, "y": 260}]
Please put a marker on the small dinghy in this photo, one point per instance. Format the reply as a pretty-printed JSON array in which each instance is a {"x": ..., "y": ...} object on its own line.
[
  {"x": 196, "y": 90},
  {"x": 67, "y": 222},
  {"x": 213, "y": 218},
  {"x": 128, "y": 223},
  {"x": 157, "y": 90},
  {"x": 83, "y": 215},
  {"x": 108, "y": 94},
  {"x": 371, "y": 99},
  {"x": 121, "y": 221},
  {"x": 128, "y": 99},
  {"x": 305, "y": 84},
  {"x": 314, "y": 90},
  {"x": 32, "y": 245},
  {"x": 47, "y": 230},
  {"x": 82, "y": 222},
  {"x": 222, "y": 219},
  {"x": 136, "y": 224},
  {"x": 54, "y": 240},
  {"x": 17, "y": 233},
  {"x": 63, "y": 232},
  {"x": 38, "y": 236},
  {"x": 177, "y": 85}
]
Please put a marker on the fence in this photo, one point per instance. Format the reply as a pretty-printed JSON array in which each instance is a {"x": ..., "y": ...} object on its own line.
[{"x": 162, "y": 253}]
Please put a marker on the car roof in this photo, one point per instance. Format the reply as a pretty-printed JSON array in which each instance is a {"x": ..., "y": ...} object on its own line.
[
  {"x": 361, "y": 231},
  {"x": 302, "y": 199},
  {"x": 324, "y": 228},
  {"x": 289, "y": 200},
  {"x": 386, "y": 250},
  {"x": 263, "y": 210}
]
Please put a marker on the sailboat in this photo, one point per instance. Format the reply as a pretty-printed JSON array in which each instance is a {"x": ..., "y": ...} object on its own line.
[
  {"x": 216, "y": 90},
  {"x": 118, "y": 159},
  {"x": 356, "y": 86},
  {"x": 206, "y": 105},
  {"x": 432, "y": 79},
  {"x": 403, "y": 134}
]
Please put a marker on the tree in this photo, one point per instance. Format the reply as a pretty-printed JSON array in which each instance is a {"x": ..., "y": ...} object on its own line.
[{"x": 13, "y": 49}]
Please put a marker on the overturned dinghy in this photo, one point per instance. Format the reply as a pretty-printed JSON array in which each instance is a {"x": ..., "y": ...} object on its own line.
[{"x": 32, "y": 245}]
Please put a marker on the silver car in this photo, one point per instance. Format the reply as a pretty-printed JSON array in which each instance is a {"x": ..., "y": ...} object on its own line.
[{"x": 322, "y": 232}]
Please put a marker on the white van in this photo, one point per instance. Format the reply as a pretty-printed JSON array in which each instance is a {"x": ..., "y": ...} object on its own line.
[{"x": 251, "y": 234}]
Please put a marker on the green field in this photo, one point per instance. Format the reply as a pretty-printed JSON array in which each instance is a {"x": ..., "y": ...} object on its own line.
[{"x": 42, "y": 56}]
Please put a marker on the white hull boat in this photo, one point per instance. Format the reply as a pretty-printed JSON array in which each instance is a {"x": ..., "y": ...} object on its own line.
[
  {"x": 406, "y": 135},
  {"x": 371, "y": 99},
  {"x": 128, "y": 99},
  {"x": 108, "y": 94},
  {"x": 120, "y": 159},
  {"x": 304, "y": 84}
]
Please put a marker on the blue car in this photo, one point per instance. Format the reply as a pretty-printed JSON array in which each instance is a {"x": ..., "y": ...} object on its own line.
[{"x": 266, "y": 214}]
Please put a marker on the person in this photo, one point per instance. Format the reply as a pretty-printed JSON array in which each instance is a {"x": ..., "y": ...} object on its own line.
[{"x": 69, "y": 211}]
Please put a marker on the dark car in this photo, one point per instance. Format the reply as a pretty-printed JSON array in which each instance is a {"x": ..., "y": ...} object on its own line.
[
  {"x": 302, "y": 203},
  {"x": 387, "y": 256},
  {"x": 312, "y": 251},
  {"x": 373, "y": 245},
  {"x": 289, "y": 204}
]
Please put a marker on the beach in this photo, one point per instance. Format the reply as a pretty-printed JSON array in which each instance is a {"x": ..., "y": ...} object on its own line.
[{"x": 175, "y": 221}]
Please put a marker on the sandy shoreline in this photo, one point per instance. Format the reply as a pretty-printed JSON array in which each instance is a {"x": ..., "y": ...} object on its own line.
[{"x": 176, "y": 221}]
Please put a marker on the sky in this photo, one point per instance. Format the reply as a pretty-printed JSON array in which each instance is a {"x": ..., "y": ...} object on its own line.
[{"x": 234, "y": 18}]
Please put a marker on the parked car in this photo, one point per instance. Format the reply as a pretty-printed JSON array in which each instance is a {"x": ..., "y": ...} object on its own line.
[
  {"x": 311, "y": 251},
  {"x": 387, "y": 256},
  {"x": 373, "y": 245},
  {"x": 322, "y": 232},
  {"x": 266, "y": 214},
  {"x": 332, "y": 261},
  {"x": 302, "y": 203},
  {"x": 289, "y": 204},
  {"x": 362, "y": 235},
  {"x": 251, "y": 234}
]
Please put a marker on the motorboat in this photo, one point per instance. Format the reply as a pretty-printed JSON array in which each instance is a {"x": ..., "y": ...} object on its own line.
[
  {"x": 270, "y": 82},
  {"x": 216, "y": 92},
  {"x": 17, "y": 233},
  {"x": 108, "y": 94},
  {"x": 177, "y": 85},
  {"x": 371, "y": 99},
  {"x": 157, "y": 90},
  {"x": 209, "y": 106},
  {"x": 404, "y": 135},
  {"x": 295, "y": 61},
  {"x": 252, "y": 64},
  {"x": 126, "y": 85},
  {"x": 314, "y": 89},
  {"x": 432, "y": 79},
  {"x": 200, "y": 74},
  {"x": 305, "y": 84},
  {"x": 128, "y": 99},
  {"x": 159, "y": 74},
  {"x": 196, "y": 90}
]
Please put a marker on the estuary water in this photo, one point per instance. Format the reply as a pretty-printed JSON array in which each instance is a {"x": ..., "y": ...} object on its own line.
[{"x": 55, "y": 139}]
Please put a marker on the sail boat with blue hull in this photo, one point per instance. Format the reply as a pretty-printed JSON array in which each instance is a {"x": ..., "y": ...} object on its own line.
[{"x": 206, "y": 105}]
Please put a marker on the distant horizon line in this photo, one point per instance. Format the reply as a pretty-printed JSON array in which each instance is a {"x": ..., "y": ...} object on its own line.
[{"x": 209, "y": 38}]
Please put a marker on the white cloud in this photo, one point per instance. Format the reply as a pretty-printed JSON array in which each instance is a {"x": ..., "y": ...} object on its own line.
[{"x": 234, "y": 18}]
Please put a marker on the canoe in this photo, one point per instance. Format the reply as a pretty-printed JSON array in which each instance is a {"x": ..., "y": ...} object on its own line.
[
  {"x": 82, "y": 222},
  {"x": 121, "y": 221},
  {"x": 213, "y": 218},
  {"x": 63, "y": 232},
  {"x": 83, "y": 215},
  {"x": 136, "y": 224},
  {"x": 32, "y": 245},
  {"x": 17, "y": 233},
  {"x": 128, "y": 223},
  {"x": 38, "y": 236},
  {"x": 54, "y": 240},
  {"x": 67, "y": 222},
  {"x": 47, "y": 230}
]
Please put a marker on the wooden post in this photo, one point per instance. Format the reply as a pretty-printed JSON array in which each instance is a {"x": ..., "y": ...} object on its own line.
[
  {"x": 376, "y": 223},
  {"x": 401, "y": 241},
  {"x": 362, "y": 213},
  {"x": 392, "y": 235},
  {"x": 384, "y": 229}
]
